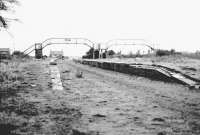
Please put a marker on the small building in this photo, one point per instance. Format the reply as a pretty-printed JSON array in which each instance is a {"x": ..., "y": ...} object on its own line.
[
  {"x": 5, "y": 53},
  {"x": 56, "y": 54}
]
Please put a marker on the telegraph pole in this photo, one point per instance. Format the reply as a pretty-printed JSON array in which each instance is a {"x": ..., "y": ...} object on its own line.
[
  {"x": 93, "y": 52},
  {"x": 99, "y": 48}
]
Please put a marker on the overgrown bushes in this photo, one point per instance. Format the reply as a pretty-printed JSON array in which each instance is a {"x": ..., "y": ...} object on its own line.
[
  {"x": 89, "y": 54},
  {"x": 18, "y": 54},
  {"x": 161, "y": 52}
]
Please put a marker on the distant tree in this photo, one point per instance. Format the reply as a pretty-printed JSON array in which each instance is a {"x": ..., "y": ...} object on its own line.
[
  {"x": 161, "y": 52},
  {"x": 5, "y": 6},
  {"x": 138, "y": 54},
  {"x": 89, "y": 54},
  {"x": 111, "y": 52},
  {"x": 172, "y": 51},
  {"x": 18, "y": 54},
  {"x": 197, "y": 52}
]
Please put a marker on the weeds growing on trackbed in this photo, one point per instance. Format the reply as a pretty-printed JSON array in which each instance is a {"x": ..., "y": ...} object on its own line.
[
  {"x": 10, "y": 78},
  {"x": 10, "y": 83}
]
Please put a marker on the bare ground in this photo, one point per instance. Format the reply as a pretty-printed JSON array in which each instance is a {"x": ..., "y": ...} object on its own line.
[
  {"x": 99, "y": 102},
  {"x": 114, "y": 103}
]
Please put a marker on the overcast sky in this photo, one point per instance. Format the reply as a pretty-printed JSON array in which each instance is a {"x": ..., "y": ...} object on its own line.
[{"x": 165, "y": 23}]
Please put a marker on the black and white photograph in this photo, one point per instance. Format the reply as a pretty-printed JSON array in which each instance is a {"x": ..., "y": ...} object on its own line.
[{"x": 99, "y": 67}]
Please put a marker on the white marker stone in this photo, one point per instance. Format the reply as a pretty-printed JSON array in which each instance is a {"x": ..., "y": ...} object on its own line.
[{"x": 55, "y": 78}]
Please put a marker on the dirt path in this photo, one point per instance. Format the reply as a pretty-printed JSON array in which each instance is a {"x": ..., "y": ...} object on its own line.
[{"x": 115, "y": 104}]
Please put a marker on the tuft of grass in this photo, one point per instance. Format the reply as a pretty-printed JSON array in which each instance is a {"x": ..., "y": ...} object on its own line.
[
  {"x": 10, "y": 72},
  {"x": 79, "y": 74}
]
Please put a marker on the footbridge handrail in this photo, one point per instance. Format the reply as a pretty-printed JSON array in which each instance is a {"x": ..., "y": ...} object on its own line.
[
  {"x": 50, "y": 41},
  {"x": 90, "y": 44},
  {"x": 114, "y": 42}
]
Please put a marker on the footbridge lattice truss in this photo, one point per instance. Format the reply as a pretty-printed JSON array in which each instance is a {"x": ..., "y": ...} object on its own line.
[
  {"x": 51, "y": 41},
  {"x": 87, "y": 42}
]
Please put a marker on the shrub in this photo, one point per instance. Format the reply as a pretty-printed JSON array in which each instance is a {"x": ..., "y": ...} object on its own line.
[
  {"x": 79, "y": 74},
  {"x": 19, "y": 54},
  {"x": 161, "y": 52}
]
